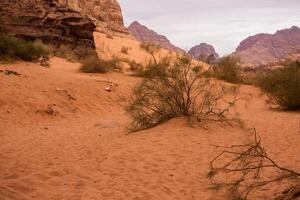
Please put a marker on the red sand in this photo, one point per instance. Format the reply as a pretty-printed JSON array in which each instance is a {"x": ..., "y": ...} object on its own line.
[{"x": 83, "y": 152}]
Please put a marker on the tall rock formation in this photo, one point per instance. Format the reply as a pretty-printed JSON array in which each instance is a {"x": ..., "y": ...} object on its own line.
[
  {"x": 143, "y": 34},
  {"x": 204, "y": 51},
  {"x": 61, "y": 21},
  {"x": 262, "y": 49},
  {"x": 106, "y": 14},
  {"x": 46, "y": 20}
]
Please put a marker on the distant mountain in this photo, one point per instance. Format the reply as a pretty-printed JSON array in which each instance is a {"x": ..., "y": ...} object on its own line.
[
  {"x": 144, "y": 34},
  {"x": 204, "y": 51},
  {"x": 265, "y": 48}
]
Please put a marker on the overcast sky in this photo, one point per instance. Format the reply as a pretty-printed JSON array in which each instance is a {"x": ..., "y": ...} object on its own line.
[{"x": 222, "y": 23}]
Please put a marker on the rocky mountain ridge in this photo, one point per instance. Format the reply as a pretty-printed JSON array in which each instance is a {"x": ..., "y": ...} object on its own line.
[
  {"x": 263, "y": 48},
  {"x": 144, "y": 34}
]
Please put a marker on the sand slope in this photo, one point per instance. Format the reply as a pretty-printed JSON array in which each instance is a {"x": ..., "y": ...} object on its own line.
[{"x": 83, "y": 151}]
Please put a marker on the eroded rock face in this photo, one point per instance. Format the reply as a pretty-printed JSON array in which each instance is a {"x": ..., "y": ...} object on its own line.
[
  {"x": 203, "y": 50},
  {"x": 143, "y": 34},
  {"x": 262, "y": 49},
  {"x": 106, "y": 13},
  {"x": 46, "y": 20}
]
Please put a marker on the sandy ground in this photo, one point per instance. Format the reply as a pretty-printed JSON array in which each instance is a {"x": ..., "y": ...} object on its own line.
[
  {"x": 63, "y": 137},
  {"x": 109, "y": 47}
]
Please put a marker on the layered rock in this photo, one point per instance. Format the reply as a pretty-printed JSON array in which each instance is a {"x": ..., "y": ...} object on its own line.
[
  {"x": 203, "y": 51},
  {"x": 262, "y": 49},
  {"x": 106, "y": 14},
  {"x": 144, "y": 34},
  {"x": 47, "y": 20}
]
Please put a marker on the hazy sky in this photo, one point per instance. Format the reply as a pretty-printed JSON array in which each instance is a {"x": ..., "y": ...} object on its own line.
[{"x": 222, "y": 23}]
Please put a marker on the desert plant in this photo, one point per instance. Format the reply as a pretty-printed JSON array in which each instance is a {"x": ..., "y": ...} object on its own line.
[
  {"x": 151, "y": 48},
  {"x": 179, "y": 90},
  {"x": 283, "y": 86},
  {"x": 17, "y": 48},
  {"x": 154, "y": 69},
  {"x": 73, "y": 54},
  {"x": 66, "y": 52},
  {"x": 134, "y": 66},
  {"x": 228, "y": 69},
  {"x": 248, "y": 168},
  {"x": 124, "y": 50},
  {"x": 93, "y": 64}
]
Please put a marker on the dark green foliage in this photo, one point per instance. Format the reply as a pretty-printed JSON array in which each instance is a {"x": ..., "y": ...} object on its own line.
[
  {"x": 228, "y": 69},
  {"x": 16, "y": 48},
  {"x": 283, "y": 86}
]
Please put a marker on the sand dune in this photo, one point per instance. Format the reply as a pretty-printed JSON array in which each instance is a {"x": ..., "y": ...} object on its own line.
[{"x": 81, "y": 150}]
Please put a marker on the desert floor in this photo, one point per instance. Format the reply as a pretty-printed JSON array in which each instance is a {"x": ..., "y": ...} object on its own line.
[{"x": 63, "y": 137}]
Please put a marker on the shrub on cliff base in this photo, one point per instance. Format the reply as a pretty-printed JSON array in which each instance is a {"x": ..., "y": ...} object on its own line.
[
  {"x": 93, "y": 64},
  {"x": 283, "y": 86},
  {"x": 16, "y": 48}
]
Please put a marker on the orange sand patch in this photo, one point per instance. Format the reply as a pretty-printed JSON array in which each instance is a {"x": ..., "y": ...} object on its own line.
[{"x": 84, "y": 152}]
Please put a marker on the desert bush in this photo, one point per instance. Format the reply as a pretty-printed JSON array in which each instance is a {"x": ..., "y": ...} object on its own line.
[
  {"x": 228, "y": 69},
  {"x": 66, "y": 52},
  {"x": 152, "y": 49},
  {"x": 73, "y": 54},
  {"x": 134, "y": 66},
  {"x": 178, "y": 90},
  {"x": 154, "y": 69},
  {"x": 245, "y": 169},
  {"x": 251, "y": 77},
  {"x": 124, "y": 50},
  {"x": 93, "y": 64},
  {"x": 283, "y": 86},
  {"x": 16, "y": 48}
]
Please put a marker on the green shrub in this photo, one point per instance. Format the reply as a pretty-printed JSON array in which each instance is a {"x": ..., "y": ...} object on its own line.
[
  {"x": 93, "y": 64},
  {"x": 228, "y": 69},
  {"x": 176, "y": 90},
  {"x": 17, "y": 48},
  {"x": 283, "y": 86}
]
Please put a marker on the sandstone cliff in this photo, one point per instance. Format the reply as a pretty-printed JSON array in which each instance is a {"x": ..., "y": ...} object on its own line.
[
  {"x": 143, "y": 34},
  {"x": 61, "y": 21},
  {"x": 105, "y": 13},
  {"x": 46, "y": 20},
  {"x": 203, "y": 50},
  {"x": 262, "y": 49}
]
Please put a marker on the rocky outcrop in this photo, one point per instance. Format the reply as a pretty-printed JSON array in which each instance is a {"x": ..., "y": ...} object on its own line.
[
  {"x": 105, "y": 13},
  {"x": 262, "y": 49},
  {"x": 143, "y": 34},
  {"x": 203, "y": 51},
  {"x": 46, "y": 20}
]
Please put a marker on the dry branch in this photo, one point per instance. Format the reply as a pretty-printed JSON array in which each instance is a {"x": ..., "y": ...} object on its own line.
[{"x": 247, "y": 169}]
